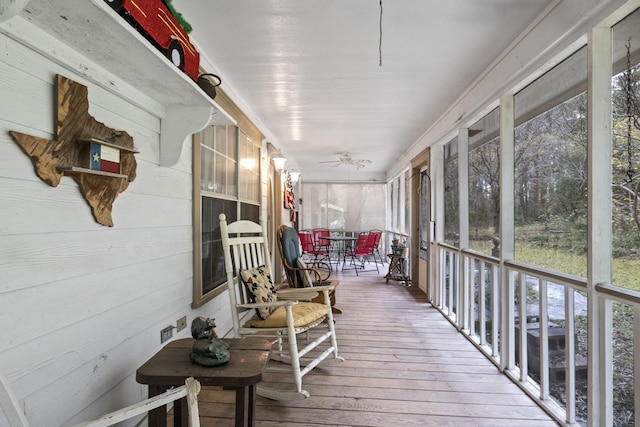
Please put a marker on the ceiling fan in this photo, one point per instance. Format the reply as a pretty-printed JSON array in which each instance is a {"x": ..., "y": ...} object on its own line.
[{"x": 345, "y": 159}]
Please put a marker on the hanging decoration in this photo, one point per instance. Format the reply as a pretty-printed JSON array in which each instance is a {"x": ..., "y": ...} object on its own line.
[
  {"x": 628, "y": 80},
  {"x": 632, "y": 121},
  {"x": 380, "y": 42},
  {"x": 289, "y": 196}
]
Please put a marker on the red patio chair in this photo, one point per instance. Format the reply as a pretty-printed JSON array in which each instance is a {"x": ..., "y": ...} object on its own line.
[
  {"x": 362, "y": 252},
  {"x": 318, "y": 238},
  {"x": 376, "y": 245},
  {"x": 317, "y": 254}
]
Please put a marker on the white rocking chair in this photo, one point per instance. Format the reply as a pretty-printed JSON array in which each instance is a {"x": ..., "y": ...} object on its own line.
[
  {"x": 245, "y": 248},
  {"x": 9, "y": 405}
]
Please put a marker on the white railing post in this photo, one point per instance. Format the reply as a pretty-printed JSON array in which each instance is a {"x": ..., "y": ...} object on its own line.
[
  {"x": 523, "y": 348},
  {"x": 469, "y": 289},
  {"x": 636, "y": 363},
  {"x": 442, "y": 274},
  {"x": 482, "y": 309},
  {"x": 543, "y": 304},
  {"x": 472, "y": 293},
  {"x": 570, "y": 354},
  {"x": 466, "y": 304},
  {"x": 458, "y": 284},
  {"x": 495, "y": 309}
]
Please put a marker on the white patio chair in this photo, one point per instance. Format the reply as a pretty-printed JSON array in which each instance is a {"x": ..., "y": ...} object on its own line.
[{"x": 190, "y": 390}]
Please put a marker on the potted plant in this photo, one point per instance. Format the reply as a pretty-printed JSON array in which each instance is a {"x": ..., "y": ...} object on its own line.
[{"x": 396, "y": 247}]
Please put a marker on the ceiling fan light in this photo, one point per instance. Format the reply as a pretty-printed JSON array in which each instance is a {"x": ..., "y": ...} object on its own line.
[{"x": 346, "y": 159}]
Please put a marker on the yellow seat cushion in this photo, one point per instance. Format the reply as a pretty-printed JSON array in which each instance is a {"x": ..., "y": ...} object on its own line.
[{"x": 303, "y": 314}]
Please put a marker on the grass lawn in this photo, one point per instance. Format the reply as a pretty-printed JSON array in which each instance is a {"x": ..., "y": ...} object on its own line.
[{"x": 626, "y": 270}]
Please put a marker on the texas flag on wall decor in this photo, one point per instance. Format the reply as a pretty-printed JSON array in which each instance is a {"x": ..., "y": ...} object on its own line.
[{"x": 105, "y": 158}]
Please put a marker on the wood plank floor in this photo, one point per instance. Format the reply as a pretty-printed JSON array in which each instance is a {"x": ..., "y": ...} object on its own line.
[{"x": 405, "y": 365}]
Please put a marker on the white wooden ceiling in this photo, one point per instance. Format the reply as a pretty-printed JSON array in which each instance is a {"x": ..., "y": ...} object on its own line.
[{"x": 309, "y": 70}]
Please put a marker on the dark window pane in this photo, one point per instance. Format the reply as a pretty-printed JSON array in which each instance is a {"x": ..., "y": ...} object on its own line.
[
  {"x": 425, "y": 183},
  {"x": 451, "y": 195},
  {"x": 213, "y": 274},
  {"x": 250, "y": 212}
]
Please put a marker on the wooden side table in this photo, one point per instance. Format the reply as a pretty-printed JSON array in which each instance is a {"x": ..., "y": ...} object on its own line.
[
  {"x": 171, "y": 366},
  {"x": 397, "y": 269}
]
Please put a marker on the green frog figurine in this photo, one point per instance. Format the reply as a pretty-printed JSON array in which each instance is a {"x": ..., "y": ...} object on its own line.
[{"x": 208, "y": 350}]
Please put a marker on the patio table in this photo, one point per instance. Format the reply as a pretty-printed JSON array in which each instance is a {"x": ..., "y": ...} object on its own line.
[{"x": 339, "y": 246}]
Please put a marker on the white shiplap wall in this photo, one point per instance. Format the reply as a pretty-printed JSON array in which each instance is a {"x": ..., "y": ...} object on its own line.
[{"x": 82, "y": 305}]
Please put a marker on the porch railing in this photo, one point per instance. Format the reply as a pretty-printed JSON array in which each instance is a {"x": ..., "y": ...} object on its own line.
[{"x": 541, "y": 321}]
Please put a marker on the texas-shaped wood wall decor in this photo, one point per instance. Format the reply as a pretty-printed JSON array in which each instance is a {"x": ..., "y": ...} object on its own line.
[{"x": 99, "y": 159}]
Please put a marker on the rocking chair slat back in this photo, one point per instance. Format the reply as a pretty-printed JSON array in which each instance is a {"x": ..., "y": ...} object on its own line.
[{"x": 246, "y": 248}]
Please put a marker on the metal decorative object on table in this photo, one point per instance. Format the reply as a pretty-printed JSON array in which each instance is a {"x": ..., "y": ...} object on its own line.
[{"x": 208, "y": 350}]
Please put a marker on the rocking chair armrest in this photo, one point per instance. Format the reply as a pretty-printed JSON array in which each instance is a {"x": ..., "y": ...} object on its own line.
[
  {"x": 323, "y": 288},
  {"x": 297, "y": 293},
  {"x": 282, "y": 303}
]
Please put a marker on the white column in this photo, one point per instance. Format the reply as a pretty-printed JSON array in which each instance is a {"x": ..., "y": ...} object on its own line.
[
  {"x": 463, "y": 186},
  {"x": 599, "y": 220},
  {"x": 463, "y": 208},
  {"x": 436, "y": 172},
  {"x": 507, "y": 235}
]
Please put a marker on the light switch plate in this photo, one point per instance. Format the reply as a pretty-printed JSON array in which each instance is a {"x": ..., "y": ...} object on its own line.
[{"x": 181, "y": 323}]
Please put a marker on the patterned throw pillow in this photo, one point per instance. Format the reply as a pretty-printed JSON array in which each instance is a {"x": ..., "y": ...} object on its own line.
[{"x": 260, "y": 287}]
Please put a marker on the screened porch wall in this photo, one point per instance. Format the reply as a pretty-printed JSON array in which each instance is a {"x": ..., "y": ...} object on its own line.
[
  {"x": 343, "y": 207},
  {"x": 489, "y": 294}
]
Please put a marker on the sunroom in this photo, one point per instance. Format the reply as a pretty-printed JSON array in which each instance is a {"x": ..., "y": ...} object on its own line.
[{"x": 518, "y": 204}]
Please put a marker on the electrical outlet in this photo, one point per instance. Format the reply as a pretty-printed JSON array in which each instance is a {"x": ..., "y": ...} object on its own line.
[
  {"x": 181, "y": 323},
  {"x": 166, "y": 333}
]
